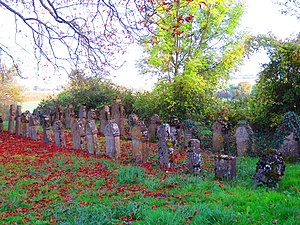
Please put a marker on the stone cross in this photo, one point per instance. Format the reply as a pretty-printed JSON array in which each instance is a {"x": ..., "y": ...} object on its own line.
[
  {"x": 25, "y": 124},
  {"x": 91, "y": 133},
  {"x": 112, "y": 138},
  {"x": 46, "y": 127},
  {"x": 225, "y": 167},
  {"x": 155, "y": 122},
  {"x": 12, "y": 115},
  {"x": 194, "y": 155},
  {"x": 118, "y": 115},
  {"x": 165, "y": 146},
  {"x": 1, "y": 125},
  {"x": 18, "y": 120},
  {"x": 244, "y": 138},
  {"x": 104, "y": 118},
  {"x": 33, "y": 127},
  {"x": 140, "y": 142}
]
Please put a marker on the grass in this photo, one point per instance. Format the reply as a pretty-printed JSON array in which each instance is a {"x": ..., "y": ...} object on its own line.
[{"x": 43, "y": 184}]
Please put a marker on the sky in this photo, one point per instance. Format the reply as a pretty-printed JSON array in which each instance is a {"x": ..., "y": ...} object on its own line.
[{"x": 261, "y": 17}]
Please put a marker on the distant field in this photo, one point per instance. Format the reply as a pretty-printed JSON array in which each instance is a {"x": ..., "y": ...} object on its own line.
[
  {"x": 36, "y": 96},
  {"x": 29, "y": 106}
]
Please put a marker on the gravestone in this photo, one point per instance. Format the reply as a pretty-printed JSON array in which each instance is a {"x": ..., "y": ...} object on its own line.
[
  {"x": 155, "y": 122},
  {"x": 269, "y": 169},
  {"x": 104, "y": 118},
  {"x": 58, "y": 128},
  {"x": 82, "y": 115},
  {"x": 287, "y": 137},
  {"x": 46, "y": 129},
  {"x": 190, "y": 131},
  {"x": 78, "y": 135},
  {"x": 140, "y": 139},
  {"x": 221, "y": 135},
  {"x": 225, "y": 167},
  {"x": 59, "y": 136},
  {"x": 1, "y": 125},
  {"x": 194, "y": 155},
  {"x": 165, "y": 146},
  {"x": 33, "y": 127},
  {"x": 244, "y": 138},
  {"x": 69, "y": 116},
  {"x": 91, "y": 132},
  {"x": 12, "y": 115},
  {"x": 132, "y": 120},
  {"x": 176, "y": 131},
  {"x": 112, "y": 138},
  {"x": 18, "y": 120},
  {"x": 118, "y": 115},
  {"x": 25, "y": 124}
]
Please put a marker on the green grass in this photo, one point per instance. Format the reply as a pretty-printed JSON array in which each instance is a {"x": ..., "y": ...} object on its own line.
[{"x": 67, "y": 188}]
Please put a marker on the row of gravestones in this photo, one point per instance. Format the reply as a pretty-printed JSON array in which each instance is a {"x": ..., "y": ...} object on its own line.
[{"x": 169, "y": 136}]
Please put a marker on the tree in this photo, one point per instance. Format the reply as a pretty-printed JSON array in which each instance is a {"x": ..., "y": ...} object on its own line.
[
  {"x": 10, "y": 90},
  {"x": 278, "y": 88},
  {"x": 194, "y": 37},
  {"x": 290, "y": 7},
  {"x": 67, "y": 34}
]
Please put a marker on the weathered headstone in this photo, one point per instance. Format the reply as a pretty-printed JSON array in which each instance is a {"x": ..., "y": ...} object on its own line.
[
  {"x": 82, "y": 115},
  {"x": 46, "y": 127},
  {"x": 91, "y": 132},
  {"x": 132, "y": 120},
  {"x": 176, "y": 131},
  {"x": 287, "y": 137},
  {"x": 190, "y": 130},
  {"x": 118, "y": 115},
  {"x": 1, "y": 125},
  {"x": 155, "y": 122},
  {"x": 165, "y": 146},
  {"x": 269, "y": 169},
  {"x": 69, "y": 116},
  {"x": 58, "y": 128},
  {"x": 25, "y": 124},
  {"x": 112, "y": 138},
  {"x": 221, "y": 135},
  {"x": 140, "y": 145},
  {"x": 18, "y": 120},
  {"x": 104, "y": 118},
  {"x": 194, "y": 155},
  {"x": 33, "y": 127},
  {"x": 59, "y": 136},
  {"x": 78, "y": 135},
  {"x": 244, "y": 138},
  {"x": 225, "y": 167},
  {"x": 12, "y": 115}
]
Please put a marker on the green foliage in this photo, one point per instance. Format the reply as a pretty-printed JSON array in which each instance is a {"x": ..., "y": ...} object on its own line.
[
  {"x": 278, "y": 88},
  {"x": 130, "y": 175}
]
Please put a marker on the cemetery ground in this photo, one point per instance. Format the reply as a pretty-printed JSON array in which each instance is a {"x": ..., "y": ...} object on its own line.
[{"x": 44, "y": 184}]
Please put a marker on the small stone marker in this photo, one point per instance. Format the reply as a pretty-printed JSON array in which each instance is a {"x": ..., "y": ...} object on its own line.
[
  {"x": 46, "y": 126},
  {"x": 112, "y": 138},
  {"x": 244, "y": 138},
  {"x": 225, "y": 167},
  {"x": 91, "y": 133},
  {"x": 18, "y": 120},
  {"x": 269, "y": 169},
  {"x": 104, "y": 118},
  {"x": 165, "y": 146},
  {"x": 194, "y": 155},
  {"x": 12, "y": 115},
  {"x": 59, "y": 136},
  {"x": 140, "y": 142}
]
